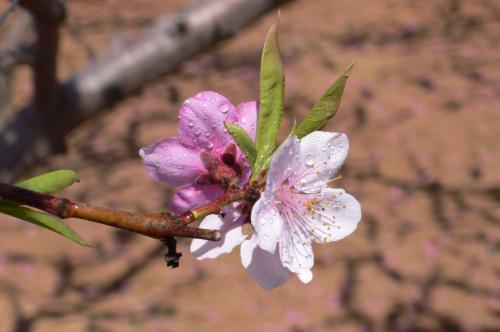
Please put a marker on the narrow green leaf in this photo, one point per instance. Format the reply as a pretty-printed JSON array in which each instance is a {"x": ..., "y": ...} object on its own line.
[
  {"x": 244, "y": 141},
  {"x": 272, "y": 88},
  {"x": 294, "y": 126},
  {"x": 42, "y": 219},
  {"x": 51, "y": 182},
  {"x": 6, "y": 203},
  {"x": 325, "y": 108}
]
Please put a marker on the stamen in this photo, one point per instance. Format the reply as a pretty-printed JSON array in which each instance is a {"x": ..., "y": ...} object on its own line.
[{"x": 329, "y": 182}]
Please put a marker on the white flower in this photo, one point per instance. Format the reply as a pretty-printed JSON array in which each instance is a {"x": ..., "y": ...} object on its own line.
[
  {"x": 265, "y": 268},
  {"x": 296, "y": 208}
]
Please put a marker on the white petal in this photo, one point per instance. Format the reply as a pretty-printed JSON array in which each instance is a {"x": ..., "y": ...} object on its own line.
[
  {"x": 296, "y": 250},
  {"x": 264, "y": 267},
  {"x": 232, "y": 235},
  {"x": 305, "y": 276},
  {"x": 339, "y": 216},
  {"x": 283, "y": 165},
  {"x": 267, "y": 223},
  {"x": 323, "y": 153}
]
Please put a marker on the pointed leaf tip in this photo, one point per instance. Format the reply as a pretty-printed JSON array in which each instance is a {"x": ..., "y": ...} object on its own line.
[
  {"x": 326, "y": 107},
  {"x": 45, "y": 220},
  {"x": 51, "y": 182},
  {"x": 272, "y": 92},
  {"x": 244, "y": 142}
]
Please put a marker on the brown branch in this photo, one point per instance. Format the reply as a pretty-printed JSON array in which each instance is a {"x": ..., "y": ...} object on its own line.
[
  {"x": 121, "y": 71},
  {"x": 21, "y": 55},
  {"x": 249, "y": 193},
  {"x": 159, "y": 225},
  {"x": 48, "y": 15}
]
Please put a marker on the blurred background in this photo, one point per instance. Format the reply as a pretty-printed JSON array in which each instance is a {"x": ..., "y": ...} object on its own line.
[{"x": 422, "y": 112}]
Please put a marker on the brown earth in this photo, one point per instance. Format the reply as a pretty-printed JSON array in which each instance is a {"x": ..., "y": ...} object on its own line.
[{"x": 422, "y": 111}]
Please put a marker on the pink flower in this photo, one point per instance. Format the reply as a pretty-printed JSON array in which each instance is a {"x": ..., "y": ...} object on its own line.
[
  {"x": 296, "y": 208},
  {"x": 203, "y": 154}
]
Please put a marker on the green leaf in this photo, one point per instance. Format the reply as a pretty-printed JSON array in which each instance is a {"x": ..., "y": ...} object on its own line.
[
  {"x": 51, "y": 182},
  {"x": 6, "y": 203},
  {"x": 325, "y": 108},
  {"x": 272, "y": 88},
  {"x": 42, "y": 219},
  {"x": 244, "y": 142},
  {"x": 294, "y": 126}
]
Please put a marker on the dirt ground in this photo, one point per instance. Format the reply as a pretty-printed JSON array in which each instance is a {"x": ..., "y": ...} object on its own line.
[{"x": 422, "y": 112}]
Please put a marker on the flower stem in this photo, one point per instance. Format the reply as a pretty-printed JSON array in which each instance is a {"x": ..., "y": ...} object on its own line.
[
  {"x": 250, "y": 193},
  {"x": 158, "y": 225}
]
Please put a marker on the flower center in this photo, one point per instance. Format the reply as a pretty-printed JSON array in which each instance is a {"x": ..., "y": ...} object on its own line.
[
  {"x": 222, "y": 169},
  {"x": 305, "y": 215}
]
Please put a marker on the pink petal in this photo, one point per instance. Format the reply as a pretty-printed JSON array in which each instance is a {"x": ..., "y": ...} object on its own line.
[
  {"x": 264, "y": 267},
  {"x": 246, "y": 114},
  {"x": 192, "y": 196},
  {"x": 323, "y": 153},
  {"x": 267, "y": 223},
  {"x": 283, "y": 165},
  {"x": 232, "y": 234},
  {"x": 201, "y": 121},
  {"x": 170, "y": 161}
]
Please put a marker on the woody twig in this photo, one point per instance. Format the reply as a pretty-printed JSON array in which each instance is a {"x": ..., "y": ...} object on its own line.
[{"x": 156, "y": 225}]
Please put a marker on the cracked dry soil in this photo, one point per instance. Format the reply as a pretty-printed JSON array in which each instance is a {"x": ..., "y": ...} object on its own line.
[{"x": 422, "y": 111}]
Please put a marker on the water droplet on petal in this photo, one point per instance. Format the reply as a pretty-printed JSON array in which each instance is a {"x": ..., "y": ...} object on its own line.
[
  {"x": 243, "y": 120},
  {"x": 224, "y": 108},
  {"x": 210, "y": 145},
  {"x": 309, "y": 160},
  {"x": 190, "y": 124},
  {"x": 197, "y": 131}
]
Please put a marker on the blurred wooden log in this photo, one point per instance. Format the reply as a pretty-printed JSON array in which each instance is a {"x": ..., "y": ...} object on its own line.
[
  {"x": 27, "y": 137},
  {"x": 121, "y": 71},
  {"x": 15, "y": 51}
]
